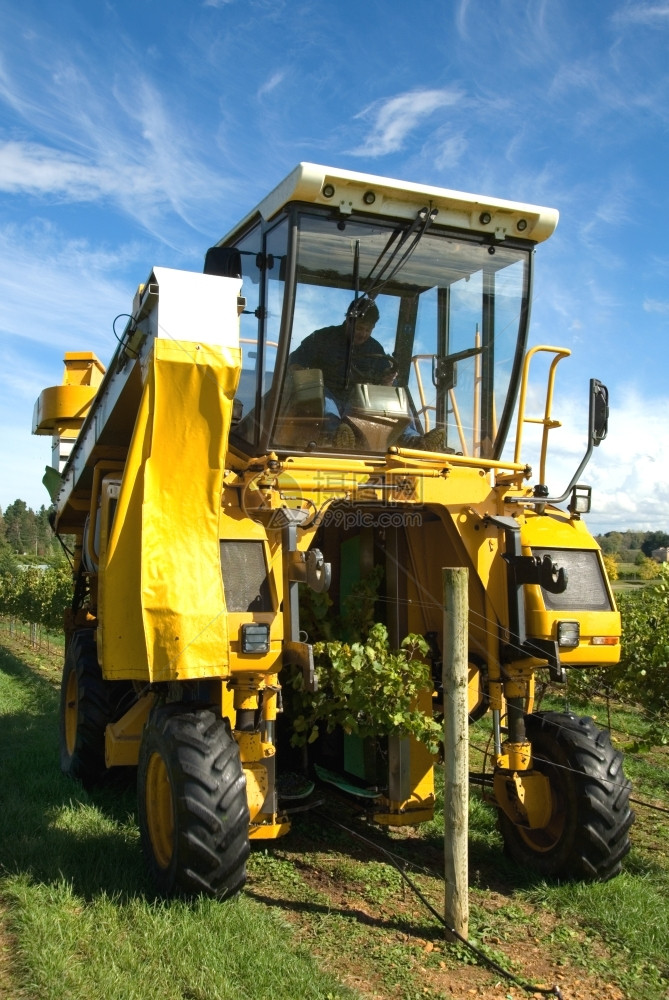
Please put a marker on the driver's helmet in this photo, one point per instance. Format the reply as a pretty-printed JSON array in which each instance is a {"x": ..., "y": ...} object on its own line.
[{"x": 363, "y": 308}]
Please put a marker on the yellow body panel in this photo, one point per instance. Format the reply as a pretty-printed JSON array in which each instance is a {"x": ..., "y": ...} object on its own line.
[
  {"x": 162, "y": 613},
  {"x": 62, "y": 406},
  {"x": 269, "y": 830},
  {"x": 123, "y": 738},
  {"x": 60, "y": 410}
]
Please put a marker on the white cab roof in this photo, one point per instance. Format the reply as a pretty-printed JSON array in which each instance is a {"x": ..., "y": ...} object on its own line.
[{"x": 350, "y": 191}]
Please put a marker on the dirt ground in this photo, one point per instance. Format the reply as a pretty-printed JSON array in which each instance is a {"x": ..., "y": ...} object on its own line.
[{"x": 388, "y": 945}]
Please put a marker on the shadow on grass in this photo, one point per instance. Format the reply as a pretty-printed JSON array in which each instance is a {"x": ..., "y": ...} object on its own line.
[
  {"x": 351, "y": 914},
  {"x": 489, "y": 868},
  {"x": 51, "y": 828}
]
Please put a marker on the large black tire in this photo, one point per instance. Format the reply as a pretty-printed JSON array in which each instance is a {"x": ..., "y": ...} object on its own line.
[
  {"x": 193, "y": 812},
  {"x": 588, "y": 833},
  {"x": 87, "y": 704}
]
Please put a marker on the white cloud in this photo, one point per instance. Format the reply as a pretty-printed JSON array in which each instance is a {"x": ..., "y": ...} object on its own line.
[
  {"x": 120, "y": 139},
  {"x": 656, "y": 306},
  {"x": 29, "y": 168},
  {"x": 461, "y": 18},
  {"x": 393, "y": 119},
  {"x": 448, "y": 152},
  {"x": 642, "y": 13},
  {"x": 271, "y": 84},
  {"x": 55, "y": 290},
  {"x": 628, "y": 472},
  {"x": 25, "y": 458},
  {"x": 57, "y": 294}
]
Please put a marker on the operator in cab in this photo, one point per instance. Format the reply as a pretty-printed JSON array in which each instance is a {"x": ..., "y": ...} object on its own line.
[{"x": 347, "y": 353}]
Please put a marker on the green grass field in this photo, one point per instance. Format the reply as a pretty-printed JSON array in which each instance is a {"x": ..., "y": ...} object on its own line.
[{"x": 79, "y": 920}]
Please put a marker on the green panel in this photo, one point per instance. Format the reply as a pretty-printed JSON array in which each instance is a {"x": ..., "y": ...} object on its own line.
[
  {"x": 350, "y": 566},
  {"x": 354, "y": 755}
]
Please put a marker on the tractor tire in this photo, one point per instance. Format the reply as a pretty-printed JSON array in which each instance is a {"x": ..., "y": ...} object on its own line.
[
  {"x": 193, "y": 811},
  {"x": 87, "y": 704},
  {"x": 588, "y": 833}
]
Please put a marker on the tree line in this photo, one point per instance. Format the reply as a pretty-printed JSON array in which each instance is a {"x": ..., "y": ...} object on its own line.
[
  {"x": 26, "y": 536},
  {"x": 626, "y": 544},
  {"x": 629, "y": 554},
  {"x": 35, "y": 576}
]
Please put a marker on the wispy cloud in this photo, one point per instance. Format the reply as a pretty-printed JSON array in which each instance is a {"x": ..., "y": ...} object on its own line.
[
  {"x": 57, "y": 294},
  {"x": 30, "y": 168},
  {"x": 528, "y": 34},
  {"x": 448, "y": 150},
  {"x": 642, "y": 13},
  {"x": 271, "y": 84},
  {"x": 393, "y": 119},
  {"x": 58, "y": 290},
  {"x": 656, "y": 306},
  {"x": 119, "y": 139}
]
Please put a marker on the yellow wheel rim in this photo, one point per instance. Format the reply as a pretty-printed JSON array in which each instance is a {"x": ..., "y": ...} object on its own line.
[
  {"x": 159, "y": 810},
  {"x": 71, "y": 711},
  {"x": 547, "y": 837}
]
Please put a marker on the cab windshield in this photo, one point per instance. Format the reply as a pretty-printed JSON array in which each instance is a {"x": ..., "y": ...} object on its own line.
[{"x": 414, "y": 342}]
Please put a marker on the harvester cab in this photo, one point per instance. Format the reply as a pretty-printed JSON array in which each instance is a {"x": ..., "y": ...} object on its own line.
[{"x": 288, "y": 449}]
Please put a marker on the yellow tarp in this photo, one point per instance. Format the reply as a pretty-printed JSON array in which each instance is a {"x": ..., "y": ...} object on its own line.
[{"x": 162, "y": 607}]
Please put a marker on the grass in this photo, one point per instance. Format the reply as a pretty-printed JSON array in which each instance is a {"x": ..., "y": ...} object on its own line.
[
  {"x": 630, "y": 914},
  {"x": 79, "y": 919},
  {"x": 115, "y": 947}
]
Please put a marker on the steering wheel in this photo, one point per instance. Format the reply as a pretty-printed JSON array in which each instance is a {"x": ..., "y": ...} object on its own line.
[{"x": 369, "y": 370}]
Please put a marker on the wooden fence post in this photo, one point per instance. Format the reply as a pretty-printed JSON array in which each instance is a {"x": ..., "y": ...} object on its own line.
[{"x": 456, "y": 748}]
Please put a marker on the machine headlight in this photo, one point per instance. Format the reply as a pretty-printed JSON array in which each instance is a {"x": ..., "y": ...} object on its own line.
[
  {"x": 255, "y": 638},
  {"x": 568, "y": 634}
]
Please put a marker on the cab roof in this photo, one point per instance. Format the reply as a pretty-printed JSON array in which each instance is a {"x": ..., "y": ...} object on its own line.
[{"x": 350, "y": 191}]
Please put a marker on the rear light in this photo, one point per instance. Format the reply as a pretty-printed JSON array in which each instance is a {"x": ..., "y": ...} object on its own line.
[{"x": 604, "y": 640}]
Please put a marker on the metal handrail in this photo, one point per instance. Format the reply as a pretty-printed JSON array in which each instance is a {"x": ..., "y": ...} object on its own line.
[{"x": 546, "y": 421}]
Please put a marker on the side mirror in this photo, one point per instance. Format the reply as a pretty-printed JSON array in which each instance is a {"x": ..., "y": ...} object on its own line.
[
  {"x": 226, "y": 262},
  {"x": 599, "y": 411},
  {"x": 598, "y": 426}
]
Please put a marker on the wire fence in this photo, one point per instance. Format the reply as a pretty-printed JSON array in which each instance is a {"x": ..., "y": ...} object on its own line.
[
  {"x": 38, "y": 638},
  {"x": 32, "y": 634}
]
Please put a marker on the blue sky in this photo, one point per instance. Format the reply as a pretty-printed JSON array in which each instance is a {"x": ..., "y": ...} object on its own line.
[{"x": 135, "y": 134}]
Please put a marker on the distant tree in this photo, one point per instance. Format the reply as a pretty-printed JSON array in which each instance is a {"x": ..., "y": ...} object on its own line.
[
  {"x": 46, "y": 543},
  {"x": 610, "y": 542},
  {"x": 647, "y": 568},
  {"x": 634, "y": 539},
  {"x": 20, "y": 527},
  {"x": 611, "y": 566},
  {"x": 7, "y": 561},
  {"x": 28, "y": 533},
  {"x": 654, "y": 540}
]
